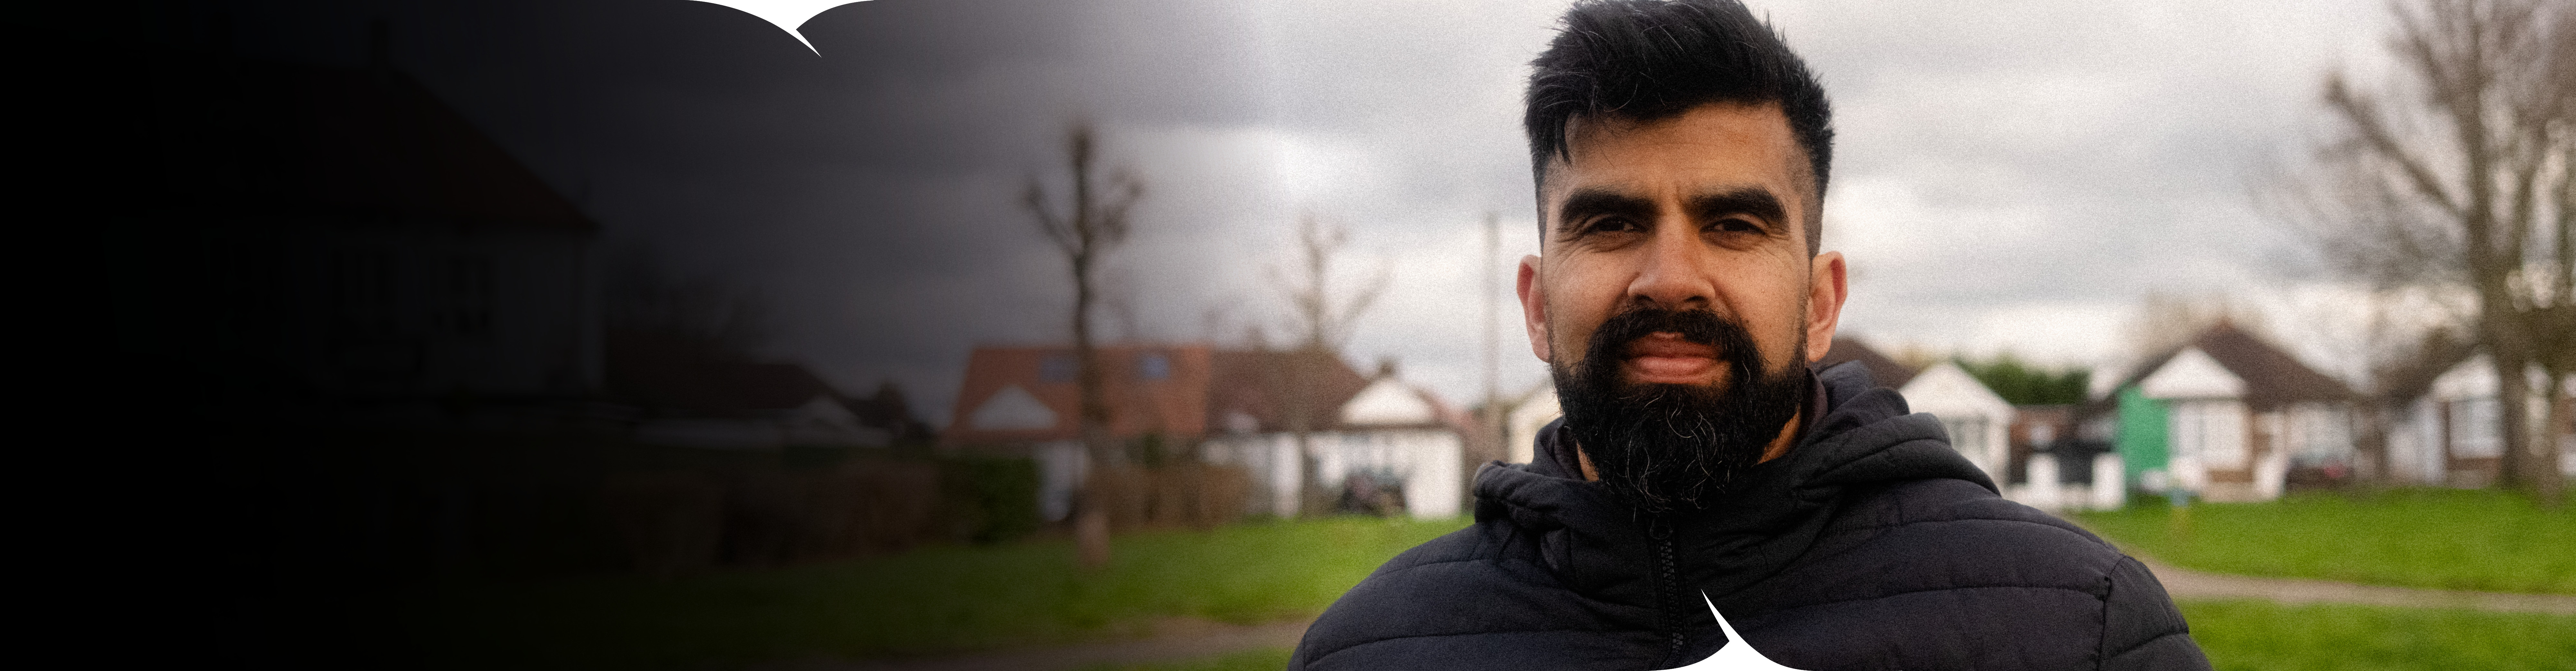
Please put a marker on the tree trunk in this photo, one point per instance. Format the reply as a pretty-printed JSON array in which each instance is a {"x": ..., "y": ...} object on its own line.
[
  {"x": 1304, "y": 371},
  {"x": 1091, "y": 504},
  {"x": 2552, "y": 482}
]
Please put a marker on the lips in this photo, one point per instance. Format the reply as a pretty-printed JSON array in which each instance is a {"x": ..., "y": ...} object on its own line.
[{"x": 1665, "y": 358}]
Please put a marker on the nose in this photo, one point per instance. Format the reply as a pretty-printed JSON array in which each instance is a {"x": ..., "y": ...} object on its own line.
[{"x": 1673, "y": 274}]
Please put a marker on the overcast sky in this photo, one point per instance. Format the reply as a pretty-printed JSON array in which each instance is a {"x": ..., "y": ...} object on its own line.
[{"x": 2009, "y": 175}]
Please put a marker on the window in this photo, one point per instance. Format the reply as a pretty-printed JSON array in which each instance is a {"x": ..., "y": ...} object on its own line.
[
  {"x": 1058, "y": 368},
  {"x": 2476, "y": 428},
  {"x": 2211, "y": 431},
  {"x": 1153, "y": 366},
  {"x": 1968, "y": 436}
]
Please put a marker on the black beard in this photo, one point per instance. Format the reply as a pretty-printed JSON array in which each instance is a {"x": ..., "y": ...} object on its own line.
[{"x": 1663, "y": 447}]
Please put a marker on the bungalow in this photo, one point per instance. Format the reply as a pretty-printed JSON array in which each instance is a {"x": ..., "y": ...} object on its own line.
[
  {"x": 1376, "y": 442},
  {"x": 2227, "y": 417},
  {"x": 1978, "y": 420},
  {"x": 1025, "y": 402},
  {"x": 1535, "y": 409},
  {"x": 2452, "y": 432}
]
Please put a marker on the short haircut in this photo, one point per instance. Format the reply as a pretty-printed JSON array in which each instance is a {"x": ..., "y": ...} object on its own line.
[{"x": 1650, "y": 60}]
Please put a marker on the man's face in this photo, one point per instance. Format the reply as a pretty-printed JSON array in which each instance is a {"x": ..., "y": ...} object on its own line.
[{"x": 1693, "y": 219}]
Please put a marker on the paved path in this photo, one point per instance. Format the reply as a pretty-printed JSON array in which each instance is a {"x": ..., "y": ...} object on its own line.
[
  {"x": 2189, "y": 584},
  {"x": 1183, "y": 640}
]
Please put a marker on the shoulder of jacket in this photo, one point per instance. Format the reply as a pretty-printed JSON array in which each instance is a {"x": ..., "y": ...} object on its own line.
[
  {"x": 1956, "y": 506},
  {"x": 1419, "y": 594}
]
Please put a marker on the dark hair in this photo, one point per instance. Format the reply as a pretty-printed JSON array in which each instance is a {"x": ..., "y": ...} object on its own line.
[{"x": 1649, "y": 60}]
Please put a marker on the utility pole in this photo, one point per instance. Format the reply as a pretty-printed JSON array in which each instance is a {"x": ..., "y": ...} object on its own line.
[
  {"x": 1493, "y": 287},
  {"x": 1489, "y": 446}
]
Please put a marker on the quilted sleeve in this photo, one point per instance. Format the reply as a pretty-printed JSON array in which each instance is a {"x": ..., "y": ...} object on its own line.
[{"x": 2141, "y": 629}]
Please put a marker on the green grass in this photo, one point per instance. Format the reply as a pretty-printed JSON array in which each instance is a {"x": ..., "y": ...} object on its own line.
[
  {"x": 1266, "y": 659},
  {"x": 2262, "y": 636},
  {"x": 2252, "y": 635},
  {"x": 2441, "y": 539},
  {"x": 924, "y": 602}
]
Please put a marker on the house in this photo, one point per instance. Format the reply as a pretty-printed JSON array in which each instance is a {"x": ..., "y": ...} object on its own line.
[
  {"x": 2451, "y": 432},
  {"x": 687, "y": 396},
  {"x": 1535, "y": 409},
  {"x": 1978, "y": 420},
  {"x": 2227, "y": 417},
  {"x": 2053, "y": 467},
  {"x": 2031, "y": 452},
  {"x": 1885, "y": 371},
  {"x": 343, "y": 238},
  {"x": 1369, "y": 438},
  {"x": 1026, "y": 402}
]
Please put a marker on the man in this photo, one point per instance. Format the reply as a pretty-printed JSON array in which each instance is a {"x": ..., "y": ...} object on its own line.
[{"x": 1681, "y": 154}]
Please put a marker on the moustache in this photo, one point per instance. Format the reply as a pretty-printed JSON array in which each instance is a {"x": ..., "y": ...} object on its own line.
[{"x": 1733, "y": 342}]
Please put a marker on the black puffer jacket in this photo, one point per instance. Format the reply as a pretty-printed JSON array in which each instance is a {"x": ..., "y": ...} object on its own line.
[{"x": 1872, "y": 545}]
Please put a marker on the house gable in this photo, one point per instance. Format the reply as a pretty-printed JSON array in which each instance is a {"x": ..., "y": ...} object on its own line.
[
  {"x": 1945, "y": 388},
  {"x": 2191, "y": 373},
  {"x": 1013, "y": 409},
  {"x": 1388, "y": 402}
]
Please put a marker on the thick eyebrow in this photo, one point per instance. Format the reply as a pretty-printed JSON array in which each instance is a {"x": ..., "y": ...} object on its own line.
[
  {"x": 1590, "y": 202},
  {"x": 1752, "y": 200}
]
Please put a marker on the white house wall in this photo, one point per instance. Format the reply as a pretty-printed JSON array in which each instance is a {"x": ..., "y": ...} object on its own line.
[
  {"x": 1388, "y": 402},
  {"x": 1061, "y": 468},
  {"x": 1274, "y": 463},
  {"x": 2415, "y": 444},
  {"x": 2191, "y": 373},
  {"x": 1424, "y": 459},
  {"x": 1979, "y": 421},
  {"x": 1521, "y": 436}
]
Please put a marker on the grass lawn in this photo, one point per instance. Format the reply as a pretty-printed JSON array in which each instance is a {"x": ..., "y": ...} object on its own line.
[
  {"x": 2444, "y": 539},
  {"x": 2262, "y": 636},
  {"x": 923, "y": 602},
  {"x": 1266, "y": 659},
  {"x": 2252, "y": 635}
]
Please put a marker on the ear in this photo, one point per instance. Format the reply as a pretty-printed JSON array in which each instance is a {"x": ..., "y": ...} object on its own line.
[
  {"x": 1534, "y": 307},
  {"x": 1825, "y": 293}
]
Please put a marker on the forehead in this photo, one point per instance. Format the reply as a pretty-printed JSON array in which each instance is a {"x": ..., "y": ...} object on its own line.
[{"x": 1711, "y": 147}]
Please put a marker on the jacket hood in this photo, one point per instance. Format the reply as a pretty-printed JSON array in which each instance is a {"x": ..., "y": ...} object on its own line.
[{"x": 1603, "y": 548}]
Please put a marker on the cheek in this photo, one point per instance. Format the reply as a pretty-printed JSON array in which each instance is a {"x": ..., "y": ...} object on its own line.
[{"x": 1573, "y": 315}]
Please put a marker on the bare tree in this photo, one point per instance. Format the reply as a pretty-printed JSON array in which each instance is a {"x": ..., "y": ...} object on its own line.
[
  {"x": 1322, "y": 316},
  {"x": 707, "y": 316},
  {"x": 1086, "y": 230},
  {"x": 2458, "y": 176}
]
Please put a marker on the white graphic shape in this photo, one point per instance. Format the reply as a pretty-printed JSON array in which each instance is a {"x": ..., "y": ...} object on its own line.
[
  {"x": 1738, "y": 655},
  {"x": 786, "y": 14}
]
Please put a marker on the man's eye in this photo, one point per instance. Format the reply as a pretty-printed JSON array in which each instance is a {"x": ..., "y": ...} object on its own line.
[
  {"x": 1613, "y": 225},
  {"x": 1735, "y": 226}
]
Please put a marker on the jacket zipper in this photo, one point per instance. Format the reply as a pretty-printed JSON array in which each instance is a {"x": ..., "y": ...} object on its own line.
[{"x": 1667, "y": 589}]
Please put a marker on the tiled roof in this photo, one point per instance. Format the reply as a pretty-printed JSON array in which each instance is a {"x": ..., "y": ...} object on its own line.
[
  {"x": 1169, "y": 398},
  {"x": 1256, "y": 383},
  {"x": 1882, "y": 370},
  {"x": 2271, "y": 375}
]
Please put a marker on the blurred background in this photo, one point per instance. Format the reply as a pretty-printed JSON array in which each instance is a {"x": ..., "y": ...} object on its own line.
[{"x": 1104, "y": 333}]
